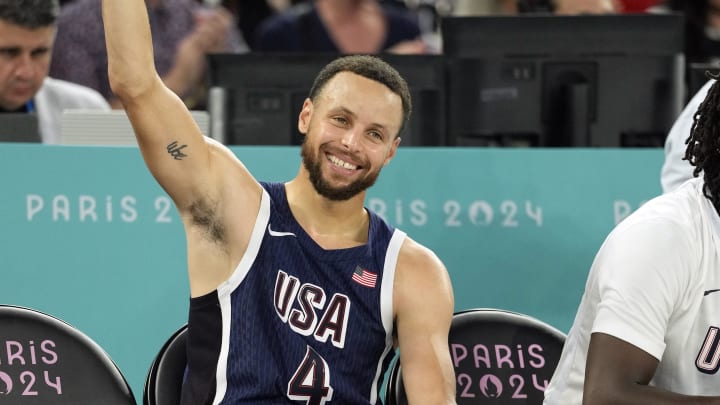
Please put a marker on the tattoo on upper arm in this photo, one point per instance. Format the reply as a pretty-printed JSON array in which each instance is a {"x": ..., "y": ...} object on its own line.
[{"x": 176, "y": 151}]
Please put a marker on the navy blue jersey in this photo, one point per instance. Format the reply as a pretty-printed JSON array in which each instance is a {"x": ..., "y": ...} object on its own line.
[{"x": 295, "y": 323}]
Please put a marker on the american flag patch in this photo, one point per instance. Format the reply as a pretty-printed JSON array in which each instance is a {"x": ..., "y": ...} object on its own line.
[{"x": 364, "y": 277}]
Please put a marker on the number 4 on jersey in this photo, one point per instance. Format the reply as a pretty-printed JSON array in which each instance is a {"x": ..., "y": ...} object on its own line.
[{"x": 311, "y": 381}]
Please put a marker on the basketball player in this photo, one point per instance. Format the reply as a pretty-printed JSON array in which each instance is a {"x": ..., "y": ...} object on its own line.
[
  {"x": 647, "y": 328},
  {"x": 298, "y": 291}
]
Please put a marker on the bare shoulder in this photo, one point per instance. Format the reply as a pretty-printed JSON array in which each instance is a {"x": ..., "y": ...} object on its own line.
[
  {"x": 419, "y": 269},
  {"x": 420, "y": 260}
]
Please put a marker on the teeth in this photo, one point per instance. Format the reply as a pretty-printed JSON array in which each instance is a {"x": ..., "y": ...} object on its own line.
[{"x": 343, "y": 164}]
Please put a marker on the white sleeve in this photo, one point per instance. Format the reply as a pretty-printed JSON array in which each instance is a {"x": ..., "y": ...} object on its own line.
[
  {"x": 675, "y": 170},
  {"x": 642, "y": 272}
]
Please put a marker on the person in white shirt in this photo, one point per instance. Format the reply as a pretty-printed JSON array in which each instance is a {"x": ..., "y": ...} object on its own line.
[
  {"x": 646, "y": 330},
  {"x": 27, "y": 32}
]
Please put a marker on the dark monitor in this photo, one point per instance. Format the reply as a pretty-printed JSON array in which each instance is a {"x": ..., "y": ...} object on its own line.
[
  {"x": 19, "y": 127},
  {"x": 698, "y": 75},
  {"x": 260, "y": 96},
  {"x": 549, "y": 80}
]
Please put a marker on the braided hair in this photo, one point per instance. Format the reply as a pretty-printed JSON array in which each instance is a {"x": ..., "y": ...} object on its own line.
[{"x": 703, "y": 144}]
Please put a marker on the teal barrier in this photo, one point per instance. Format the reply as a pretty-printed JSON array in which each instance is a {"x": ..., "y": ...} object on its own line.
[{"x": 88, "y": 236}]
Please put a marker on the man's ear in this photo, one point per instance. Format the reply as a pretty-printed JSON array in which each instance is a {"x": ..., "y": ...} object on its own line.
[
  {"x": 305, "y": 114},
  {"x": 392, "y": 151}
]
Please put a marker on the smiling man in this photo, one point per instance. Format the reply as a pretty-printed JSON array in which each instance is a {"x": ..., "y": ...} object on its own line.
[
  {"x": 298, "y": 292},
  {"x": 27, "y": 32}
]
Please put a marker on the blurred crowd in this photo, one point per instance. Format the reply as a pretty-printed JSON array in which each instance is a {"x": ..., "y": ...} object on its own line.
[{"x": 185, "y": 31}]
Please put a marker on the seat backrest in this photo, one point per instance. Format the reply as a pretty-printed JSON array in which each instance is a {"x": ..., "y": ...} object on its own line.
[
  {"x": 44, "y": 360},
  {"x": 163, "y": 385},
  {"x": 500, "y": 357}
]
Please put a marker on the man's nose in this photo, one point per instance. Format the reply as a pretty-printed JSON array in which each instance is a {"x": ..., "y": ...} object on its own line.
[
  {"x": 25, "y": 67},
  {"x": 351, "y": 137}
]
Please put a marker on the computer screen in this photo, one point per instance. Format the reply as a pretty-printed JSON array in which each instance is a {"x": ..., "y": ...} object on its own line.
[
  {"x": 549, "y": 80},
  {"x": 255, "y": 98}
]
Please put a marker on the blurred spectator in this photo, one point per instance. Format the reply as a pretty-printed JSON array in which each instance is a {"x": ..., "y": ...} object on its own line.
[
  {"x": 183, "y": 32},
  {"x": 572, "y": 7},
  {"x": 637, "y": 6},
  {"x": 702, "y": 29},
  {"x": 27, "y": 30},
  {"x": 602, "y": 6},
  {"x": 250, "y": 13},
  {"x": 344, "y": 26},
  {"x": 565, "y": 7},
  {"x": 488, "y": 7}
]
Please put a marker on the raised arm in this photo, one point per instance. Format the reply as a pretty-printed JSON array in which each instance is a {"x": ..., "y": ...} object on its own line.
[
  {"x": 176, "y": 152},
  {"x": 216, "y": 196},
  {"x": 423, "y": 302},
  {"x": 618, "y": 373}
]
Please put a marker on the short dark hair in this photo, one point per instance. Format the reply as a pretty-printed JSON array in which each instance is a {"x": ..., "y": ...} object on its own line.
[
  {"x": 29, "y": 13},
  {"x": 371, "y": 67}
]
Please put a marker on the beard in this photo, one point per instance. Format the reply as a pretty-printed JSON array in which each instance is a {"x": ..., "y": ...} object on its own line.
[{"x": 313, "y": 164}]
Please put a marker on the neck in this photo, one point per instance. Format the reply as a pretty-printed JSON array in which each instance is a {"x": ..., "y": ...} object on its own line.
[{"x": 335, "y": 224}]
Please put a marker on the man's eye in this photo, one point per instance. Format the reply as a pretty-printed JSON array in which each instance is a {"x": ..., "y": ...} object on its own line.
[
  {"x": 39, "y": 52},
  {"x": 9, "y": 52}
]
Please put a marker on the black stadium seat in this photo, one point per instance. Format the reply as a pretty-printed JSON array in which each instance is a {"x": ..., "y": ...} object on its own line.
[
  {"x": 163, "y": 385},
  {"x": 46, "y": 361},
  {"x": 500, "y": 357}
]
